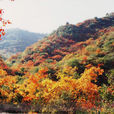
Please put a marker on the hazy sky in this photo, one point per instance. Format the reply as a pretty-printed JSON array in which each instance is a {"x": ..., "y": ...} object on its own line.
[{"x": 46, "y": 15}]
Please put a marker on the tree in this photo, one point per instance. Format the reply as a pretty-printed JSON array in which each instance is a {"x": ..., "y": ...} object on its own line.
[{"x": 3, "y": 23}]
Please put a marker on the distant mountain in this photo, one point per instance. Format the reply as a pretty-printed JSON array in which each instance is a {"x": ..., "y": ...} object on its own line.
[{"x": 16, "y": 40}]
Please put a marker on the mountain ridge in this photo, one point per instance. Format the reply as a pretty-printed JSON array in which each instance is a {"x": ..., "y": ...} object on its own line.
[
  {"x": 64, "y": 40},
  {"x": 16, "y": 40}
]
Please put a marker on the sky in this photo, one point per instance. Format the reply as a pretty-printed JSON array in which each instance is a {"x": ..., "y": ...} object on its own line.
[{"x": 44, "y": 16}]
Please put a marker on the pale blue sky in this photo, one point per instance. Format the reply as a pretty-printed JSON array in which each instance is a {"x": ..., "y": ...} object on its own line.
[{"x": 46, "y": 15}]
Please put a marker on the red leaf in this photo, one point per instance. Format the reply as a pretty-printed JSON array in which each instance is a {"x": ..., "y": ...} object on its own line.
[
  {"x": 0, "y": 19},
  {"x": 3, "y": 33}
]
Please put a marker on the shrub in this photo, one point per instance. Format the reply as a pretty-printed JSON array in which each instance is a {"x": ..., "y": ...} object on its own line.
[{"x": 75, "y": 63}]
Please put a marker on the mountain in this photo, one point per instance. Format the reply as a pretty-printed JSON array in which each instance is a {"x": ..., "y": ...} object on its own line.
[
  {"x": 16, "y": 40},
  {"x": 69, "y": 71},
  {"x": 65, "y": 40}
]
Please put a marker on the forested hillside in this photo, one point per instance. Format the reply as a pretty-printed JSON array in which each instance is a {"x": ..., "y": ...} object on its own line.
[
  {"x": 65, "y": 40},
  {"x": 69, "y": 71}
]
